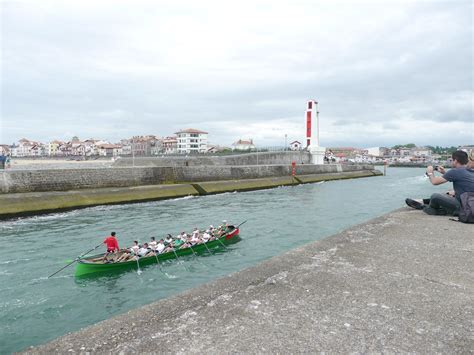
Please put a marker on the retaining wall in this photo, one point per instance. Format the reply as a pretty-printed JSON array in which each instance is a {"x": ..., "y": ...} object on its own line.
[
  {"x": 262, "y": 158},
  {"x": 30, "y": 203},
  {"x": 18, "y": 181}
]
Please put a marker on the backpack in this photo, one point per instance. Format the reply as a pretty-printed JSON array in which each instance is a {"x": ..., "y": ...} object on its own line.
[{"x": 466, "y": 212}]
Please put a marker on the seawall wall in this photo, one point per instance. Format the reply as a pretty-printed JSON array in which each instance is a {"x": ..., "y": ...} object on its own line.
[
  {"x": 261, "y": 158},
  {"x": 19, "y": 181}
]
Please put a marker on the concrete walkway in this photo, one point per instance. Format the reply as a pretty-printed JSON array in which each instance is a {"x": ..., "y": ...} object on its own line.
[{"x": 403, "y": 282}]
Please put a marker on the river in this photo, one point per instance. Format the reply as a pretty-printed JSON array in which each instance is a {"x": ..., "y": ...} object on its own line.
[{"x": 35, "y": 309}]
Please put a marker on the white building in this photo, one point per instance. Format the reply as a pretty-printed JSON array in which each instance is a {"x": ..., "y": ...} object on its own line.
[
  {"x": 295, "y": 145},
  {"x": 243, "y": 145},
  {"x": 191, "y": 141},
  {"x": 421, "y": 152},
  {"x": 377, "y": 151}
]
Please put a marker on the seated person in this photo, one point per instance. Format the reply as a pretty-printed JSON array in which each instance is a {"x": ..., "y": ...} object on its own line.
[
  {"x": 168, "y": 248},
  {"x": 144, "y": 250},
  {"x": 160, "y": 246},
  {"x": 195, "y": 239},
  {"x": 206, "y": 236},
  {"x": 462, "y": 178},
  {"x": 129, "y": 253},
  {"x": 169, "y": 239},
  {"x": 153, "y": 243}
]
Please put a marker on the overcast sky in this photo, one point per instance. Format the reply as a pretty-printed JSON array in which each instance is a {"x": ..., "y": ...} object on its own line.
[{"x": 383, "y": 72}]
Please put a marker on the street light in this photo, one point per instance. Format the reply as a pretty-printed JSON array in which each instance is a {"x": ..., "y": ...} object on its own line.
[{"x": 285, "y": 141}]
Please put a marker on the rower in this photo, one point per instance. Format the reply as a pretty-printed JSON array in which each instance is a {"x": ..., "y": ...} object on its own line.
[
  {"x": 160, "y": 246},
  {"x": 169, "y": 239},
  {"x": 153, "y": 243},
  {"x": 144, "y": 250},
  {"x": 133, "y": 250}
]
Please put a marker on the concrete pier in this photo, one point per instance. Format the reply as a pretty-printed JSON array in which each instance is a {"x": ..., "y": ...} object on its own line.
[
  {"x": 40, "y": 202},
  {"x": 403, "y": 282}
]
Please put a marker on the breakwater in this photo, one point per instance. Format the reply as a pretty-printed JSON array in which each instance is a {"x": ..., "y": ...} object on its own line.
[
  {"x": 28, "y": 203},
  {"x": 260, "y": 158},
  {"x": 20, "y": 181}
]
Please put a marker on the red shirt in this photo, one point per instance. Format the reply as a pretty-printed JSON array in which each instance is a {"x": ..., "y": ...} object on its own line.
[{"x": 112, "y": 243}]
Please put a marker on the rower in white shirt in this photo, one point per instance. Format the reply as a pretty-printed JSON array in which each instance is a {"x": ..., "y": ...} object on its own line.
[
  {"x": 160, "y": 246},
  {"x": 153, "y": 243},
  {"x": 144, "y": 250}
]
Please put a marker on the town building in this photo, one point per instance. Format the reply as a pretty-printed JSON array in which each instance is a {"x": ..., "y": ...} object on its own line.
[
  {"x": 191, "y": 141},
  {"x": 295, "y": 145},
  {"x": 170, "y": 145},
  {"x": 244, "y": 145},
  {"x": 378, "y": 151}
]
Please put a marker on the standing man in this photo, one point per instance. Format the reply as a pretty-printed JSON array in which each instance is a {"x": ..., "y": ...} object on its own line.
[
  {"x": 112, "y": 245},
  {"x": 462, "y": 178}
]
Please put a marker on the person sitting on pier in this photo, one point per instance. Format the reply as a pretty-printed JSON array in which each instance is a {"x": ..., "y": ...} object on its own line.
[
  {"x": 112, "y": 245},
  {"x": 462, "y": 178}
]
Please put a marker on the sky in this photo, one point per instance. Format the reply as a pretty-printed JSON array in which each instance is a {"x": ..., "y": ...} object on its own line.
[{"x": 383, "y": 72}]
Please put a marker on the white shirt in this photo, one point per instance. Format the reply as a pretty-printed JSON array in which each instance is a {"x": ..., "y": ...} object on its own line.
[
  {"x": 160, "y": 247},
  {"x": 134, "y": 249},
  {"x": 206, "y": 236},
  {"x": 142, "y": 251},
  {"x": 152, "y": 244}
]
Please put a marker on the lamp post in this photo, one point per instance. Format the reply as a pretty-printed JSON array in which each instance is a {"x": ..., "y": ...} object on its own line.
[
  {"x": 286, "y": 136},
  {"x": 133, "y": 151}
]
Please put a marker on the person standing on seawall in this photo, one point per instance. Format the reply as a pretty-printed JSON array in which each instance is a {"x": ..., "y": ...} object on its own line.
[{"x": 462, "y": 178}]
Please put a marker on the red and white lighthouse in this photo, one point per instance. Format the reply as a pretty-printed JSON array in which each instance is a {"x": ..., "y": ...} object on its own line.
[
  {"x": 312, "y": 133},
  {"x": 312, "y": 124}
]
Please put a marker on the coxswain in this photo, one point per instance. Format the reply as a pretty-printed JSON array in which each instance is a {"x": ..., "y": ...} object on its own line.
[{"x": 112, "y": 245}]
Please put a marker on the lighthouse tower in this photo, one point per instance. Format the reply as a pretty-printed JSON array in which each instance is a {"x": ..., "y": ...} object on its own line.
[{"x": 312, "y": 133}]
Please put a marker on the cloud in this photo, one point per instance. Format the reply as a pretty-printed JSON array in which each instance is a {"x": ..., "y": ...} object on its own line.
[{"x": 382, "y": 71}]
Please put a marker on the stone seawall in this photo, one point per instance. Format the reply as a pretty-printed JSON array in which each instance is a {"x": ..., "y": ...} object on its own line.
[
  {"x": 31, "y": 203},
  {"x": 261, "y": 158},
  {"x": 19, "y": 181}
]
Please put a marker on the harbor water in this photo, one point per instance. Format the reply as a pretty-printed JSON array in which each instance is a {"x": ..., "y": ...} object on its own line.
[{"x": 35, "y": 309}]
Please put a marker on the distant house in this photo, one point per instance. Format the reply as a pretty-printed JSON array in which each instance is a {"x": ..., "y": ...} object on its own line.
[
  {"x": 191, "y": 140},
  {"x": 244, "y": 145},
  {"x": 170, "y": 145},
  {"x": 108, "y": 150},
  {"x": 295, "y": 145},
  {"x": 4, "y": 149}
]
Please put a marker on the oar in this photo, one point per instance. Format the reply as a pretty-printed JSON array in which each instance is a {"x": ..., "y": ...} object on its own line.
[
  {"x": 179, "y": 261},
  {"x": 209, "y": 250},
  {"x": 138, "y": 265},
  {"x": 76, "y": 259}
]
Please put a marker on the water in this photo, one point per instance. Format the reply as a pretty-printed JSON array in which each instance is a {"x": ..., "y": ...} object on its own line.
[{"x": 35, "y": 309}]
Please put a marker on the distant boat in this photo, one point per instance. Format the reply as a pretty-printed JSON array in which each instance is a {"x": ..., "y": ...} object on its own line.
[{"x": 89, "y": 266}]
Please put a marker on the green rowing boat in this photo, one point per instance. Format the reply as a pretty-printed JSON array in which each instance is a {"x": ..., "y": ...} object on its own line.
[{"x": 89, "y": 266}]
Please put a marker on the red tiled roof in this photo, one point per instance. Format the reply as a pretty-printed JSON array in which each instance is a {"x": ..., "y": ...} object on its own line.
[{"x": 190, "y": 130}]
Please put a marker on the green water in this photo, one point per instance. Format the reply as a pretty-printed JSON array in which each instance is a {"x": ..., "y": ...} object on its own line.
[{"x": 34, "y": 309}]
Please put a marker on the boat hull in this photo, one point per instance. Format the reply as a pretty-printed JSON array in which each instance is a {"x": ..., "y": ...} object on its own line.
[{"x": 85, "y": 268}]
